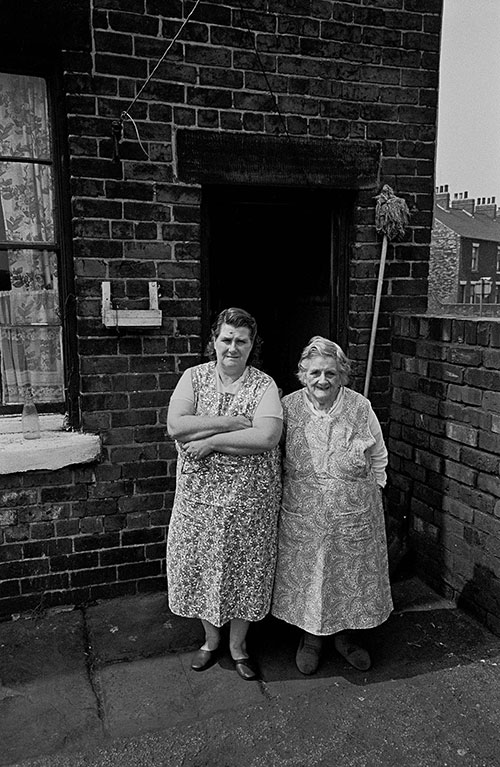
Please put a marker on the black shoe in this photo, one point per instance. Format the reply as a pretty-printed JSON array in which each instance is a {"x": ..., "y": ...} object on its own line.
[
  {"x": 203, "y": 659},
  {"x": 245, "y": 668}
]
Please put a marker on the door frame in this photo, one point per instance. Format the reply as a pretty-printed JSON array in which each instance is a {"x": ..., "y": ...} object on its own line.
[{"x": 341, "y": 213}]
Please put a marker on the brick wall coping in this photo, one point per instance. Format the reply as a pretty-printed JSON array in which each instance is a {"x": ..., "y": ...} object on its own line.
[
  {"x": 433, "y": 316},
  {"x": 466, "y": 317}
]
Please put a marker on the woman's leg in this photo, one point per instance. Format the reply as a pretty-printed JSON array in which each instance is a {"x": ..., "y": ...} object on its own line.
[
  {"x": 212, "y": 636},
  {"x": 238, "y": 649},
  {"x": 237, "y": 638},
  {"x": 206, "y": 655}
]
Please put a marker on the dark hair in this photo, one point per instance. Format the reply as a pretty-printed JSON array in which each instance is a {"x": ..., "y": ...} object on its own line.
[
  {"x": 323, "y": 347},
  {"x": 238, "y": 318}
]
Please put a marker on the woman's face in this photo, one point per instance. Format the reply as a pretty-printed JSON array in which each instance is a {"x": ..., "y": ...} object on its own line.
[
  {"x": 322, "y": 380},
  {"x": 232, "y": 348}
]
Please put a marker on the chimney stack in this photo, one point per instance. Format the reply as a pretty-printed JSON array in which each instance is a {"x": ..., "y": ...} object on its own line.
[
  {"x": 486, "y": 206},
  {"x": 442, "y": 197},
  {"x": 462, "y": 201}
]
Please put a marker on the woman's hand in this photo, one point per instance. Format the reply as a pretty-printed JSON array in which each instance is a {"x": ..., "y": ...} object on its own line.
[{"x": 198, "y": 448}]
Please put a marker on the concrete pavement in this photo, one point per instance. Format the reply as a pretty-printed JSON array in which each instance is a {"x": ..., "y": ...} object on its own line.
[{"x": 111, "y": 684}]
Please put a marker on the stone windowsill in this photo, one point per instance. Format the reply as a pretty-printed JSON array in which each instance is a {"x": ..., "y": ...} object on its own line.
[{"x": 54, "y": 450}]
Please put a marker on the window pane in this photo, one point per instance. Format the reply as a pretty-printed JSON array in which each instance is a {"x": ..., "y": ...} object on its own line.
[
  {"x": 26, "y": 202},
  {"x": 24, "y": 122},
  {"x": 33, "y": 270},
  {"x": 30, "y": 328},
  {"x": 30, "y": 322}
]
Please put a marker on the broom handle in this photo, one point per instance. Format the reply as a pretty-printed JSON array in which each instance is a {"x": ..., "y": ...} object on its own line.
[{"x": 375, "y": 315}]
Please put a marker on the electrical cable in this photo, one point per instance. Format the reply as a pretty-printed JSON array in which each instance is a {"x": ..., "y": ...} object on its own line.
[
  {"x": 126, "y": 112},
  {"x": 261, "y": 64},
  {"x": 174, "y": 40},
  {"x": 275, "y": 100}
]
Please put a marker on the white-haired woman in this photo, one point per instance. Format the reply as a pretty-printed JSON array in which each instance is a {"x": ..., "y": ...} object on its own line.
[{"x": 332, "y": 572}]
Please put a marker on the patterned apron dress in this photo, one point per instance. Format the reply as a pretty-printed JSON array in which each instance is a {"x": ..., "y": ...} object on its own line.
[
  {"x": 332, "y": 570},
  {"x": 221, "y": 547}
]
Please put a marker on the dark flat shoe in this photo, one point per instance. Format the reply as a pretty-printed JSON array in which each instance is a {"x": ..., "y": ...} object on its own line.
[
  {"x": 203, "y": 659},
  {"x": 308, "y": 652},
  {"x": 355, "y": 655},
  {"x": 245, "y": 668}
]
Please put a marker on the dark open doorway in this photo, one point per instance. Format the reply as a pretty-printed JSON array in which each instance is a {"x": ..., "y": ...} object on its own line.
[{"x": 281, "y": 254}]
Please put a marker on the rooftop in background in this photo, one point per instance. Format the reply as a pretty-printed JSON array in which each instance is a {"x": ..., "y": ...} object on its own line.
[{"x": 468, "y": 217}]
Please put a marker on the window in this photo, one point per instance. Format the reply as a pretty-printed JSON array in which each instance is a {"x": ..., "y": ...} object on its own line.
[
  {"x": 474, "y": 264},
  {"x": 462, "y": 297},
  {"x": 498, "y": 258},
  {"x": 30, "y": 319}
]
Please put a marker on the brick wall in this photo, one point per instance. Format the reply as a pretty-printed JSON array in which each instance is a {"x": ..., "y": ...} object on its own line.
[
  {"x": 444, "y": 455},
  {"x": 74, "y": 536},
  {"x": 344, "y": 72}
]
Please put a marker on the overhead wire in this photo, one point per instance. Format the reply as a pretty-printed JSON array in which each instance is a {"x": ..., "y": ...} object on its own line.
[
  {"x": 172, "y": 42},
  {"x": 274, "y": 97},
  {"x": 264, "y": 72},
  {"x": 126, "y": 112}
]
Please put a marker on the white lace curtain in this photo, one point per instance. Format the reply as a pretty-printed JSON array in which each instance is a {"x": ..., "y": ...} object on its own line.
[
  {"x": 30, "y": 326},
  {"x": 30, "y": 329}
]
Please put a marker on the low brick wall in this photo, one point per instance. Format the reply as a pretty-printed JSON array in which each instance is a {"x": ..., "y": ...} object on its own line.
[
  {"x": 444, "y": 455},
  {"x": 79, "y": 534}
]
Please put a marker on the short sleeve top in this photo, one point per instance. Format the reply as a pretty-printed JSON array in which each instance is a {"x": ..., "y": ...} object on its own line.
[{"x": 269, "y": 405}]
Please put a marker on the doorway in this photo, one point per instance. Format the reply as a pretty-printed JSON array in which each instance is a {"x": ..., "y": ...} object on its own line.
[{"x": 281, "y": 254}]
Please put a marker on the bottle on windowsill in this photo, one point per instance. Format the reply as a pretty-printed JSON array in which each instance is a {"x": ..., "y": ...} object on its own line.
[{"x": 30, "y": 419}]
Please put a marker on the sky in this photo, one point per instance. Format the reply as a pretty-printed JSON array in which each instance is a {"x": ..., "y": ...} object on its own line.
[{"x": 468, "y": 147}]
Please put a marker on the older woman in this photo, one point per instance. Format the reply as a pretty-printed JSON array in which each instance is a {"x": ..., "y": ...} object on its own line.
[
  {"x": 332, "y": 570},
  {"x": 226, "y": 418}
]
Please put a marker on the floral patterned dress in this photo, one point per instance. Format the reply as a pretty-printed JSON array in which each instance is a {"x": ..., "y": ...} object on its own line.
[
  {"x": 332, "y": 570},
  {"x": 221, "y": 548}
]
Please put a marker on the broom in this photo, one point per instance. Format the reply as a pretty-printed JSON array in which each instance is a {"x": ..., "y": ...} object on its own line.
[{"x": 391, "y": 218}]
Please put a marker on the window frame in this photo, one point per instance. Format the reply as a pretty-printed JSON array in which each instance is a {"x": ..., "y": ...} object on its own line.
[
  {"x": 50, "y": 70},
  {"x": 474, "y": 258}
]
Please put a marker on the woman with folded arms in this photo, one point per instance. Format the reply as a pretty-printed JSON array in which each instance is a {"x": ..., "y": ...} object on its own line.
[{"x": 226, "y": 418}]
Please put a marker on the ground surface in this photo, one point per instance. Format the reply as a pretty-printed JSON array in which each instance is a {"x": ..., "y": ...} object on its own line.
[{"x": 112, "y": 685}]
